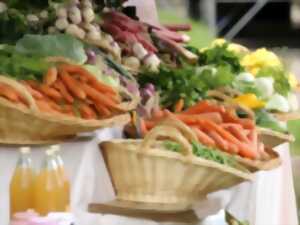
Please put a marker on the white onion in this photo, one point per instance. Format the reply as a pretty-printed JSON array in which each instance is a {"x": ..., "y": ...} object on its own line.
[
  {"x": 61, "y": 23},
  {"x": 75, "y": 15}
]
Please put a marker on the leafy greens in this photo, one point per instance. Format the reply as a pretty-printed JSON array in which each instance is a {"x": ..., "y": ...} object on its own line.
[
  {"x": 189, "y": 83},
  {"x": 267, "y": 120},
  {"x": 202, "y": 151},
  {"x": 26, "y": 60},
  {"x": 52, "y": 45},
  {"x": 219, "y": 55}
]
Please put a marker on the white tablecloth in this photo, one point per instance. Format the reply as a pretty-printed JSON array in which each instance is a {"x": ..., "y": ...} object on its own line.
[{"x": 269, "y": 200}]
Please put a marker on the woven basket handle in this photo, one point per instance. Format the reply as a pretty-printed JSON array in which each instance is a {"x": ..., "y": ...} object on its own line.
[
  {"x": 174, "y": 130},
  {"x": 21, "y": 89}
]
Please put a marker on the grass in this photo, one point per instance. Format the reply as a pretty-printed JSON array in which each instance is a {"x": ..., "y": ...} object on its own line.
[{"x": 200, "y": 34}]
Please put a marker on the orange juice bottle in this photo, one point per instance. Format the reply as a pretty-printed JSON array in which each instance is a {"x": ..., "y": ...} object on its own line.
[
  {"x": 22, "y": 184},
  {"x": 65, "y": 195},
  {"x": 47, "y": 189}
]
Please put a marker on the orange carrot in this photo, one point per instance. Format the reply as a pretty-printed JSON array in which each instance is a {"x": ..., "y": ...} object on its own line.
[
  {"x": 179, "y": 105},
  {"x": 143, "y": 127},
  {"x": 244, "y": 149},
  {"x": 230, "y": 117},
  {"x": 98, "y": 97},
  {"x": 238, "y": 133},
  {"x": 87, "y": 112},
  {"x": 35, "y": 93},
  {"x": 90, "y": 78},
  {"x": 59, "y": 85},
  {"x": 103, "y": 110},
  {"x": 72, "y": 84},
  {"x": 157, "y": 113},
  {"x": 204, "y": 138},
  {"x": 150, "y": 124},
  {"x": 50, "y": 76},
  {"x": 193, "y": 118},
  {"x": 50, "y": 92},
  {"x": 9, "y": 93},
  {"x": 45, "y": 107},
  {"x": 220, "y": 142},
  {"x": 204, "y": 107}
]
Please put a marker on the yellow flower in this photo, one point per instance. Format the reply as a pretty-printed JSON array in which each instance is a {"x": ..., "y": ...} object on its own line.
[
  {"x": 249, "y": 100},
  {"x": 293, "y": 80},
  {"x": 236, "y": 48},
  {"x": 259, "y": 59}
]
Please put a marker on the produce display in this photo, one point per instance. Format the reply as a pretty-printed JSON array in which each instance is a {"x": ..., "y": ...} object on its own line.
[{"x": 75, "y": 66}]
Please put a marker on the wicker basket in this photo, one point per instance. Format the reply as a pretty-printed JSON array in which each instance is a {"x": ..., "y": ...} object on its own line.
[
  {"x": 141, "y": 171},
  {"x": 21, "y": 125}
]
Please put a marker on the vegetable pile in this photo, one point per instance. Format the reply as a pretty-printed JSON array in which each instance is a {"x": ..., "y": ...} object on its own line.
[{"x": 216, "y": 126}]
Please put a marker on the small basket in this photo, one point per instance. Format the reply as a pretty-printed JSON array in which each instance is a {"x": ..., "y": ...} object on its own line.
[
  {"x": 21, "y": 125},
  {"x": 142, "y": 171}
]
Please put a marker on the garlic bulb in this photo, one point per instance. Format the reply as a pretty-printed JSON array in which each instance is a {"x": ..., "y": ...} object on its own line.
[
  {"x": 74, "y": 15},
  {"x": 88, "y": 14},
  {"x": 44, "y": 14},
  {"x": 61, "y": 23},
  {"x": 31, "y": 18},
  {"x": 3, "y": 7},
  {"x": 86, "y": 3},
  {"x": 74, "y": 2},
  {"x": 61, "y": 12},
  {"x": 76, "y": 31}
]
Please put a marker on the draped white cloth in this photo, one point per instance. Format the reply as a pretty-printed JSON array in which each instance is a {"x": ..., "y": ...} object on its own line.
[{"x": 268, "y": 200}]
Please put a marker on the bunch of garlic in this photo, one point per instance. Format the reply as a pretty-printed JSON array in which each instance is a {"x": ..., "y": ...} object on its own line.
[{"x": 77, "y": 18}]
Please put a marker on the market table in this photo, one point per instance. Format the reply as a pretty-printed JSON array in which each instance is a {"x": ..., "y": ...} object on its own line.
[{"x": 268, "y": 200}]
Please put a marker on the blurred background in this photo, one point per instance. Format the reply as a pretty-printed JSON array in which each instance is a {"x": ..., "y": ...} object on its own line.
[{"x": 255, "y": 23}]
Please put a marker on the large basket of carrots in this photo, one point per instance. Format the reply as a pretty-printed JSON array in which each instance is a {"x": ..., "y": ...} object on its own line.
[
  {"x": 169, "y": 166},
  {"x": 219, "y": 126},
  {"x": 68, "y": 100}
]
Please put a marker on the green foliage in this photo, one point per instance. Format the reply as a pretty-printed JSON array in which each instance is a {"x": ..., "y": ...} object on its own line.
[
  {"x": 202, "y": 151},
  {"x": 189, "y": 83},
  {"x": 52, "y": 45},
  {"x": 26, "y": 60},
  {"x": 21, "y": 66},
  {"x": 219, "y": 55}
]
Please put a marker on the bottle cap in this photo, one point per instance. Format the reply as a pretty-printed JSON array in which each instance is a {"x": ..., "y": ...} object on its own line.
[
  {"x": 55, "y": 148},
  {"x": 49, "y": 152},
  {"x": 25, "y": 150}
]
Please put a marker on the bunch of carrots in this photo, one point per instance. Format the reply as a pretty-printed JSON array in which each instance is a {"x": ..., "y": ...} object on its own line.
[
  {"x": 215, "y": 126},
  {"x": 65, "y": 86}
]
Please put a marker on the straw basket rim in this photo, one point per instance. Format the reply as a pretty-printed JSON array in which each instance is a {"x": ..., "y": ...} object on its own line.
[{"x": 162, "y": 153}]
